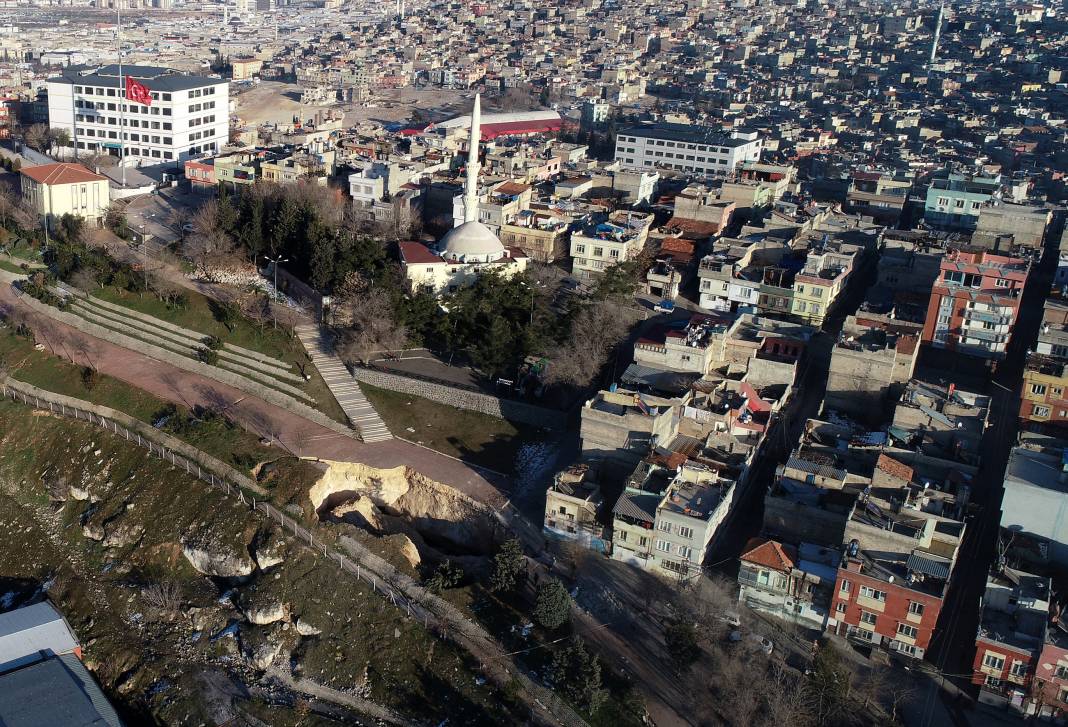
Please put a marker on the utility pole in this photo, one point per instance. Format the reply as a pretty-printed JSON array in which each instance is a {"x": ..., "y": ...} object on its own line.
[{"x": 276, "y": 261}]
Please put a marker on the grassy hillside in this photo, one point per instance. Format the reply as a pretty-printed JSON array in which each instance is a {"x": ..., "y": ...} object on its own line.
[{"x": 100, "y": 526}]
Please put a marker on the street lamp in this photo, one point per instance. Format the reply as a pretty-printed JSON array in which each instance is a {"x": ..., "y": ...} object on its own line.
[
  {"x": 276, "y": 261},
  {"x": 144, "y": 245}
]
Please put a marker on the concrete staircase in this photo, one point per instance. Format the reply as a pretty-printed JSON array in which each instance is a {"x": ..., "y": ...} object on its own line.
[{"x": 342, "y": 385}]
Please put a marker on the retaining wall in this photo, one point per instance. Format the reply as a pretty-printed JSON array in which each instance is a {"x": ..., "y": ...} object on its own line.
[{"x": 461, "y": 399}]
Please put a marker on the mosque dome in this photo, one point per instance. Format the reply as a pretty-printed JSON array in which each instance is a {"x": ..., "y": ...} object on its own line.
[{"x": 472, "y": 242}]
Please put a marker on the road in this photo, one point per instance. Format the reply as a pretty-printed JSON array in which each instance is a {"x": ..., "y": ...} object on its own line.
[{"x": 748, "y": 516}]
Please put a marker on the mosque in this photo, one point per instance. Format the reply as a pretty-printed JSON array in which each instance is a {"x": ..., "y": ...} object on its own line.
[{"x": 466, "y": 250}]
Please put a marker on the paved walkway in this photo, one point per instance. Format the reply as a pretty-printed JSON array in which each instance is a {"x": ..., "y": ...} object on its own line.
[{"x": 342, "y": 385}]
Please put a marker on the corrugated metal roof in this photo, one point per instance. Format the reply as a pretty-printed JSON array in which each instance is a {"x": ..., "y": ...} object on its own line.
[
  {"x": 638, "y": 506},
  {"x": 28, "y": 631},
  {"x": 928, "y": 565},
  {"x": 817, "y": 469},
  {"x": 58, "y": 692}
]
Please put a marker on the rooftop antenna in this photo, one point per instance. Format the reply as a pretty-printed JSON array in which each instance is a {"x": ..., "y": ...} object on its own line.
[
  {"x": 471, "y": 190},
  {"x": 937, "y": 33}
]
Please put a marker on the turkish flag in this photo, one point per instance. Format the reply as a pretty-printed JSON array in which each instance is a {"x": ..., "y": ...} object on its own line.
[{"x": 138, "y": 92}]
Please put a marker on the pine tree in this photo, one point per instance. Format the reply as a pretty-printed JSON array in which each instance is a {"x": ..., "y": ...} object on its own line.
[
  {"x": 553, "y": 607},
  {"x": 508, "y": 565}
]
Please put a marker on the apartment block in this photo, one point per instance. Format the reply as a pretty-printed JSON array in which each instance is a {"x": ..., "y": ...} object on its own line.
[
  {"x": 974, "y": 303},
  {"x": 686, "y": 148},
  {"x": 189, "y": 115}
]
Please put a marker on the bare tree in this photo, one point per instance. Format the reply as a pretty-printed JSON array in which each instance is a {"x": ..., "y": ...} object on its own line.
[
  {"x": 210, "y": 245},
  {"x": 36, "y": 137},
  {"x": 373, "y": 329},
  {"x": 595, "y": 332}
]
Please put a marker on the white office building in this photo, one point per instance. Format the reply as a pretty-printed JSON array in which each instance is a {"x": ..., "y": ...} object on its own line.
[
  {"x": 189, "y": 115},
  {"x": 685, "y": 148}
]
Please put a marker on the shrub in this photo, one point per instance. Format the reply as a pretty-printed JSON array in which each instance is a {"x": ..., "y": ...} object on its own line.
[{"x": 208, "y": 355}]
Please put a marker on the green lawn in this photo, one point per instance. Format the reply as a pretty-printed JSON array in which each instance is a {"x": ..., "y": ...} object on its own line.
[
  {"x": 226, "y": 442},
  {"x": 197, "y": 316},
  {"x": 477, "y": 438},
  {"x": 11, "y": 267}
]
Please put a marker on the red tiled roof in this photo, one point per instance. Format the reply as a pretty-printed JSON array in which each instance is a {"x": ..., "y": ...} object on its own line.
[
  {"x": 676, "y": 244},
  {"x": 61, "y": 174},
  {"x": 892, "y": 467},
  {"x": 513, "y": 188},
  {"x": 770, "y": 554},
  {"x": 416, "y": 253}
]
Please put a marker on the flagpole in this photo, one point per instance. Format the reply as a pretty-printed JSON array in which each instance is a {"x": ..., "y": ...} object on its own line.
[{"x": 122, "y": 94}]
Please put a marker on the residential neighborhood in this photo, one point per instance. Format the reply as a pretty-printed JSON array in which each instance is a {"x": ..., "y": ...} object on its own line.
[{"x": 440, "y": 362}]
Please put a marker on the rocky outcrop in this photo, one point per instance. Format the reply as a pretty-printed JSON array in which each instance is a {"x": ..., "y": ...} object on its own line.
[
  {"x": 215, "y": 562},
  {"x": 93, "y": 531},
  {"x": 409, "y": 550},
  {"x": 436, "y": 511},
  {"x": 123, "y": 536},
  {"x": 79, "y": 493},
  {"x": 359, "y": 511},
  {"x": 270, "y": 549},
  {"x": 265, "y": 613},
  {"x": 260, "y": 654},
  {"x": 306, "y": 629}
]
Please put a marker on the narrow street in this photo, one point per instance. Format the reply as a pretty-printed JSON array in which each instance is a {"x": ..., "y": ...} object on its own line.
[{"x": 952, "y": 648}]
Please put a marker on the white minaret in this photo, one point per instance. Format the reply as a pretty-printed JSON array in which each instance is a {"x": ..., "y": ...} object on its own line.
[
  {"x": 937, "y": 33},
  {"x": 471, "y": 187}
]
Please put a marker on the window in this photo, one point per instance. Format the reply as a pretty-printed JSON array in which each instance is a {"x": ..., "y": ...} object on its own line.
[
  {"x": 840, "y": 608},
  {"x": 621, "y": 536},
  {"x": 1040, "y": 411},
  {"x": 664, "y": 526},
  {"x": 613, "y": 253},
  {"x": 685, "y": 552},
  {"x": 598, "y": 252},
  {"x": 871, "y": 593},
  {"x": 1002, "y": 283},
  {"x": 868, "y": 618},
  {"x": 845, "y": 587},
  {"x": 916, "y": 608},
  {"x": 906, "y": 630},
  {"x": 958, "y": 204},
  {"x": 1038, "y": 389},
  {"x": 943, "y": 201},
  {"x": 663, "y": 546},
  {"x": 993, "y": 661},
  {"x": 1018, "y": 669},
  {"x": 685, "y": 532},
  {"x": 580, "y": 249},
  {"x": 1062, "y": 672},
  {"x": 993, "y": 682}
]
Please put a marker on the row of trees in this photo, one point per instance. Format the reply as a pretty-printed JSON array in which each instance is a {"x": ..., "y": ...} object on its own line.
[{"x": 493, "y": 324}]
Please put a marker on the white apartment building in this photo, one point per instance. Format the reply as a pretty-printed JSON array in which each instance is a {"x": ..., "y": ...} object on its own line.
[
  {"x": 189, "y": 115},
  {"x": 686, "y": 148},
  {"x": 603, "y": 244}
]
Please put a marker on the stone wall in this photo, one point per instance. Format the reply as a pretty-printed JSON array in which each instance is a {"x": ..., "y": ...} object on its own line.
[{"x": 517, "y": 411}]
